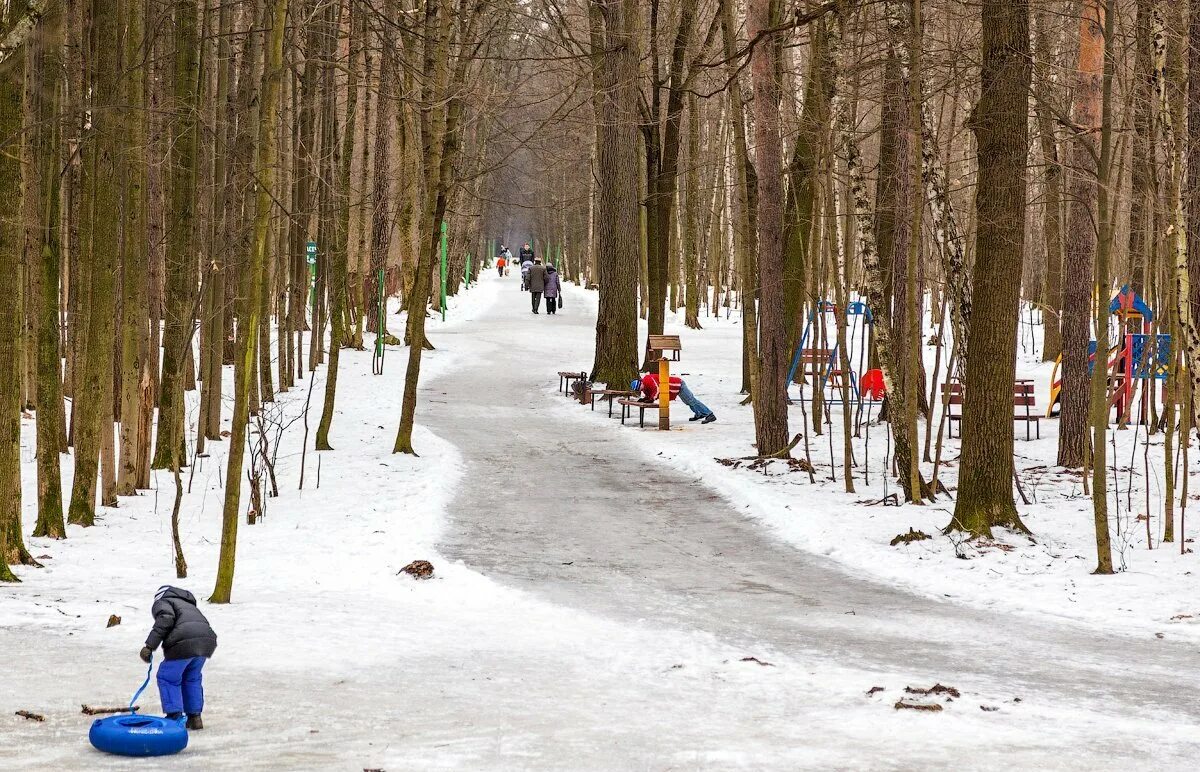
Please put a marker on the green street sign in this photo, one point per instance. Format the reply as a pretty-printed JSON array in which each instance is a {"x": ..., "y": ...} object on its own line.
[{"x": 310, "y": 250}]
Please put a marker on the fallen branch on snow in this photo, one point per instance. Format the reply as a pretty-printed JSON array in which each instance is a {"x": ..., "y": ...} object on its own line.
[{"x": 90, "y": 711}]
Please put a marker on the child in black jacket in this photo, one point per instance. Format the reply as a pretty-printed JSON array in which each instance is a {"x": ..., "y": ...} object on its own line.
[{"x": 188, "y": 641}]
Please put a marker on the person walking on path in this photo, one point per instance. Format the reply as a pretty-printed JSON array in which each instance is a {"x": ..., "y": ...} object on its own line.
[
  {"x": 188, "y": 641},
  {"x": 526, "y": 265},
  {"x": 500, "y": 265},
  {"x": 553, "y": 287},
  {"x": 527, "y": 253},
  {"x": 537, "y": 282},
  {"x": 648, "y": 385}
]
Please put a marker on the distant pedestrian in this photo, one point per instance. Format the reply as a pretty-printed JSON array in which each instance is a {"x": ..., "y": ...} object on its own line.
[
  {"x": 527, "y": 253},
  {"x": 537, "y": 282},
  {"x": 648, "y": 386},
  {"x": 526, "y": 265},
  {"x": 500, "y": 265},
  {"x": 187, "y": 641},
  {"x": 553, "y": 287}
]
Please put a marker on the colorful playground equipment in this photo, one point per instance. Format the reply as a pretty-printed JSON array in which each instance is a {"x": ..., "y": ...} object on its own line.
[
  {"x": 1137, "y": 359},
  {"x": 824, "y": 362}
]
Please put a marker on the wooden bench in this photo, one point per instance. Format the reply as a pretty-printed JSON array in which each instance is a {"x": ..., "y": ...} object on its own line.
[
  {"x": 609, "y": 395},
  {"x": 657, "y": 345},
  {"x": 952, "y": 400},
  {"x": 816, "y": 360},
  {"x": 565, "y": 377},
  {"x": 1024, "y": 403},
  {"x": 627, "y": 406},
  {"x": 823, "y": 366}
]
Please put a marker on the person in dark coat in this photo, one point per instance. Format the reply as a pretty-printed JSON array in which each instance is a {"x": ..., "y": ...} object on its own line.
[
  {"x": 526, "y": 254},
  {"x": 553, "y": 287},
  {"x": 537, "y": 282},
  {"x": 187, "y": 641}
]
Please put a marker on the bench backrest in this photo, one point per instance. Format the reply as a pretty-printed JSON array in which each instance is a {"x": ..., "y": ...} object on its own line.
[
  {"x": 952, "y": 393},
  {"x": 816, "y": 356},
  {"x": 664, "y": 343},
  {"x": 1024, "y": 396}
]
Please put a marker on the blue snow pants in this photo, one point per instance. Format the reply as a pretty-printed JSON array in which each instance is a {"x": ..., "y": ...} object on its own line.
[
  {"x": 180, "y": 685},
  {"x": 689, "y": 399}
]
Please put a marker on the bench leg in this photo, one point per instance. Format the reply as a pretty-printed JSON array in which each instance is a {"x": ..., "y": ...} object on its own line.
[{"x": 642, "y": 418}]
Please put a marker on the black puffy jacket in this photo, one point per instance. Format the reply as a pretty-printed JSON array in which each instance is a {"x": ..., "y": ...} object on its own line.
[{"x": 179, "y": 626}]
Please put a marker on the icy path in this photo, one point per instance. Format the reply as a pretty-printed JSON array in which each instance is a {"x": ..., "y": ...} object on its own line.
[
  {"x": 569, "y": 513},
  {"x": 597, "y": 621}
]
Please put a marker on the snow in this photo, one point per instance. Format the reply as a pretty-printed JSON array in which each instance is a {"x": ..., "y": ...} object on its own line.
[
  {"x": 511, "y": 659},
  {"x": 1156, "y": 591}
]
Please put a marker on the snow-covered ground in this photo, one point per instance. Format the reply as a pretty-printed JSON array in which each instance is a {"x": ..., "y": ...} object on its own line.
[
  {"x": 330, "y": 660},
  {"x": 1156, "y": 591}
]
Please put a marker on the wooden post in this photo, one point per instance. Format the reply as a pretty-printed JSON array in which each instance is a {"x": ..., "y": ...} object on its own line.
[{"x": 664, "y": 393}]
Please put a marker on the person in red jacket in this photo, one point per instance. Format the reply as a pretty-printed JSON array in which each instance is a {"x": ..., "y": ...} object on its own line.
[{"x": 648, "y": 386}]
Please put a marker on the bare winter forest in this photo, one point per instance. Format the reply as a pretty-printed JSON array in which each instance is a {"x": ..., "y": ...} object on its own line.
[{"x": 953, "y": 224}]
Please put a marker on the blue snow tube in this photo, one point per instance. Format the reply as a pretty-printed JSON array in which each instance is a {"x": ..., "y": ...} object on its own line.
[{"x": 136, "y": 735}]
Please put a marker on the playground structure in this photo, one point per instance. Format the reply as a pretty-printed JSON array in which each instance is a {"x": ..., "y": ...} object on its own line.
[
  {"x": 824, "y": 363},
  {"x": 1135, "y": 363}
]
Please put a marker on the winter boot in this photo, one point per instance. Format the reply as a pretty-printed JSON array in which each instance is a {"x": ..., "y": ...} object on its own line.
[
  {"x": 708, "y": 419},
  {"x": 194, "y": 722},
  {"x": 174, "y": 716}
]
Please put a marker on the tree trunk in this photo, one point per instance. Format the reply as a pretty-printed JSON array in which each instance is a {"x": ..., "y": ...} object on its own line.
[
  {"x": 742, "y": 205},
  {"x": 180, "y": 259},
  {"x": 1081, "y": 244},
  {"x": 1098, "y": 404},
  {"x": 42, "y": 193},
  {"x": 1052, "y": 205},
  {"x": 999, "y": 121},
  {"x": 11, "y": 542},
  {"x": 247, "y": 333},
  {"x": 337, "y": 174},
  {"x": 101, "y": 199},
  {"x": 614, "y": 35},
  {"x": 135, "y": 334},
  {"x": 770, "y": 398}
]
